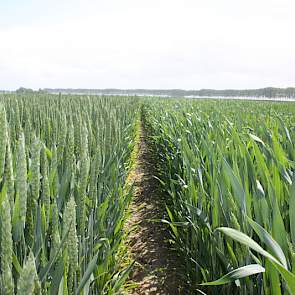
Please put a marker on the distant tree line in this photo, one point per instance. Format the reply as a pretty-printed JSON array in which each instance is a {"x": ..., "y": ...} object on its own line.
[
  {"x": 23, "y": 90},
  {"x": 269, "y": 92}
]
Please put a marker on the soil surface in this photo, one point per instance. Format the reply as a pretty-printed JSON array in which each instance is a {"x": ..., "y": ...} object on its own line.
[{"x": 156, "y": 270}]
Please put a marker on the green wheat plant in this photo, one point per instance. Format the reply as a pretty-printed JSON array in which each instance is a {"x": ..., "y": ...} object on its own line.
[
  {"x": 63, "y": 165},
  {"x": 228, "y": 167}
]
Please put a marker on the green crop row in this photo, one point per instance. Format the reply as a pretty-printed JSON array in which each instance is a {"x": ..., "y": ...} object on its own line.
[
  {"x": 229, "y": 168},
  {"x": 63, "y": 164}
]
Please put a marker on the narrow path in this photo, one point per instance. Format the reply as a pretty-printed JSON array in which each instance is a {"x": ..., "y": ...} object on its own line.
[{"x": 155, "y": 271}]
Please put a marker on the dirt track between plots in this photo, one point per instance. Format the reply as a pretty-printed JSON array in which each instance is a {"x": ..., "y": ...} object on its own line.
[{"x": 156, "y": 268}]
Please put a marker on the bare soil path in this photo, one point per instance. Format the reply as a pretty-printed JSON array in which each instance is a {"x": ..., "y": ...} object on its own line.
[{"x": 157, "y": 266}]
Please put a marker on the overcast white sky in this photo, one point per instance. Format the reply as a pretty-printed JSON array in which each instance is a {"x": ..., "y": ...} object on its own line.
[{"x": 189, "y": 44}]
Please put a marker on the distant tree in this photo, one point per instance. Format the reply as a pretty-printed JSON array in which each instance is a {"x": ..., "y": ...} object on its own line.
[
  {"x": 42, "y": 90},
  {"x": 23, "y": 90}
]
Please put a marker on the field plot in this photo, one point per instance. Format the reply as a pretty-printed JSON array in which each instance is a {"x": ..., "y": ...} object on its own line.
[
  {"x": 223, "y": 171},
  {"x": 228, "y": 168},
  {"x": 63, "y": 164}
]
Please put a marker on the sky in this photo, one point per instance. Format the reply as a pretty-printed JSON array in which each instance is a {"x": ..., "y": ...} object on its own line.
[{"x": 153, "y": 44}]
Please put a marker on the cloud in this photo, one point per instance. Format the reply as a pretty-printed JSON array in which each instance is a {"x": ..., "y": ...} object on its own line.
[{"x": 149, "y": 44}]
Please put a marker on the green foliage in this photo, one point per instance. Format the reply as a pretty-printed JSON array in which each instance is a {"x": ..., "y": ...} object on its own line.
[
  {"x": 229, "y": 164},
  {"x": 63, "y": 165}
]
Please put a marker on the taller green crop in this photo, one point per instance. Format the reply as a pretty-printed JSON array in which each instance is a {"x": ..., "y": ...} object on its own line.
[
  {"x": 6, "y": 282},
  {"x": 63, "y": 164},
  {"x": 3, "y": 138}
]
